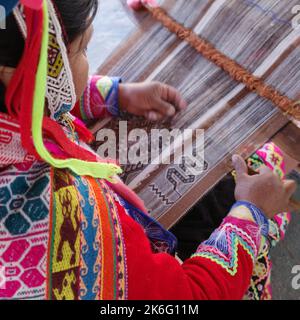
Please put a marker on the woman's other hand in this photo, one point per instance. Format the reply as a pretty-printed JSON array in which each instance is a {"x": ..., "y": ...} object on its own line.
[{"x": 265, "y": 190}]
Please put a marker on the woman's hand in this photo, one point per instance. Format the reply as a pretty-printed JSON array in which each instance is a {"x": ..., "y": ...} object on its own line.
[
  {"x": 153, "y": 100},
  {"x": 265, "y": 190}
]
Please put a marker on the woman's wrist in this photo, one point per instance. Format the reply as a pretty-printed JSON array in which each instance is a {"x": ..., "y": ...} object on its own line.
[{"x": 124, "y": 97}]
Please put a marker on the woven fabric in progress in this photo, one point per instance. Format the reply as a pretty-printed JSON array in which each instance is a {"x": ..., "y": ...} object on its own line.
[{"x": 240, "y": 78}]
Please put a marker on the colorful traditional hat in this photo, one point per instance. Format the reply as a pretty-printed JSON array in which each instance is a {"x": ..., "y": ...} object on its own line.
[{"x": 44, "y": 71}]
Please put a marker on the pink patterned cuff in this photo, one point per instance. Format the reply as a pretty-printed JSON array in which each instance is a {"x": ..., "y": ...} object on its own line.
[{"x": 100, "y": 98}]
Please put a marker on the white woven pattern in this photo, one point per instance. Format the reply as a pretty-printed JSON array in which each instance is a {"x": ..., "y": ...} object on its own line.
[{"x": 60, "y": 93}]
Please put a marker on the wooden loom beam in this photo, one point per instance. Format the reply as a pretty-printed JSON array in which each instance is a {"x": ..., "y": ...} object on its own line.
[{"x": 148, "y": 54}]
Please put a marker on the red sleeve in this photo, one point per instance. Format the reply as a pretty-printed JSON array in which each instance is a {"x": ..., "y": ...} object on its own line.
[{"x": 220, "y": 269}]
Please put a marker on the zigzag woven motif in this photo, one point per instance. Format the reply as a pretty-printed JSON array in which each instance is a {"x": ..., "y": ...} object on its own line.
[{"x": 222, "y": 246}]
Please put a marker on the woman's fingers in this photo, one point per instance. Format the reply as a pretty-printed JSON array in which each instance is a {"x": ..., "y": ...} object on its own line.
[
  {"x": 289, "y": 187},
  {"x": 163, "y": 109},
  {"x": 164, "y": 100},
  {"x": 173, "y": 96},
  {"x": 153, "y": 100},
  {"x": 240, "y": 166},
  {"x": 152, "y": 116}
]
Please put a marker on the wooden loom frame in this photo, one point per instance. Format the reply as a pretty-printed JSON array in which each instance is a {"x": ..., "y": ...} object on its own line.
[{"x": 214, "y": 174}]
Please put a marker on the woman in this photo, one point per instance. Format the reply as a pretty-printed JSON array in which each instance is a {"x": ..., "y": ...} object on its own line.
[{"x": 69, "y": 228}]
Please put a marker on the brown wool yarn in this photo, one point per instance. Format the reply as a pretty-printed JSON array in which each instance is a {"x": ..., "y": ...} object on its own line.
[{"x": 236, "y": 71}]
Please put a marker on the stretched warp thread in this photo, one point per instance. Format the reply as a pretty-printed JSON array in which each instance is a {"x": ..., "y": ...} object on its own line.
[{"x": 235, "y": 70}]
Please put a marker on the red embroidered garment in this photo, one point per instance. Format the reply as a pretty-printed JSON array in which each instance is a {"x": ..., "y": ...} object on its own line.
[{"x": 66, "y": 236}]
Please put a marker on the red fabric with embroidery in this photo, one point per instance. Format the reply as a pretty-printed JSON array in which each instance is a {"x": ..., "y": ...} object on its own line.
[{"x": 160, "y": 276}]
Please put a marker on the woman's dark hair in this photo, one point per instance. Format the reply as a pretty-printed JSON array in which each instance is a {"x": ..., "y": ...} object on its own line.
[
  {"x": 11, "y": 43},
  {"x": 75, "y": 16}
]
